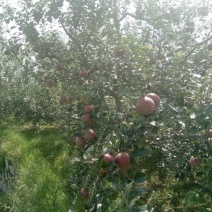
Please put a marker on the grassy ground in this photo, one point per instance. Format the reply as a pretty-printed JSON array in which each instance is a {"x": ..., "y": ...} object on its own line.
[{"x": 42, "y": 162}]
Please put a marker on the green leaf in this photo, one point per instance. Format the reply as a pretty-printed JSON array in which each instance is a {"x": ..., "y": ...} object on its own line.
[
  {"x": 115, "y": 184},
  {"x": 133, "y": 201},
  {"x": 140, "y": 152},
  {"x": 74, "y": 186},
  {"x": 123, "y": 128},
  {"x": 75, "y": 160},
  {"x": 140, "y": 178},
  {"x": 153, "y": 123},
  {"x": 127, "y": 189},
  {"x": 122, "y": 91},
  {"x": 7, "y": 52},
  {"x": 175, "y": 108},
  {"x": 143, "y": 208},
  {"x": 139, "y": 191},
  {"x": 193, "y": 116}
]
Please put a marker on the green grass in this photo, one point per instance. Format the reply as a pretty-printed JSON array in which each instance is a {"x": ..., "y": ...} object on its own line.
[{"x": 41, "y": 160}]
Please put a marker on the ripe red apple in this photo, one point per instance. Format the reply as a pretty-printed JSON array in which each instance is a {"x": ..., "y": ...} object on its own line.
[
  {"x": 89, "y": 135},
  {"x": 80, "y": 142},
  {"x": 49, "y": 83},
  {"x": 88, "y": 108},
  {"x": 194, "y": 162},
  {"x": 84, "y": 193},
  {"x": 69, "y": 98},
  {"x": 84, "y": 73},
  {"x": 210, "y": 47},
  {"x": 85, "y": 118},
  {"x": 62, "y": 99},
  {"x": 108, "y": 158},
  {"x": 155, "y": 98},
  {"x": 60, "y": 66},
  {"x": 122, "y": 159},
  {"x": 145, "y": 105}
]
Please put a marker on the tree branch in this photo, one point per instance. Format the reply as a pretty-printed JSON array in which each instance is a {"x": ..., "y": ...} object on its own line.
[
  {"x": 192, "y": 50},
  {"x": 115, "y": 16},
  {"x": 136, "y": 17},
  {"x": 73, "y": 39}
]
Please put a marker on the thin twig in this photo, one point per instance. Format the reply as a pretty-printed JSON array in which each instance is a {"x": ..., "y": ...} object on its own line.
[{"x": 192, "y": 50}]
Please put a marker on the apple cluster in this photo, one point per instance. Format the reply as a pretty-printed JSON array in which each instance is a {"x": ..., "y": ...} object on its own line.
[
  {"x": 122, "y": 159},
  {"x": 148, "y": 104},
  {"x": 90, "y": 134}
]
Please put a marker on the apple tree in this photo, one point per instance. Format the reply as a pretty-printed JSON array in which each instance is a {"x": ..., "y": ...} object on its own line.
[{"x": 128, "y": 82}]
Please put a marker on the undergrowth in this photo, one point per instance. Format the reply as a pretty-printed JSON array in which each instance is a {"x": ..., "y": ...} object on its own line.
[{"x": 41, "y": 160}]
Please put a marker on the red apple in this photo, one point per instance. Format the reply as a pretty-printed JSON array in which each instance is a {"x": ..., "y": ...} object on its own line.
[
  {"x": 80, "y": 142},
  {"x": 60, "y": 66},
  {"x": 155, "y": 98},
  {"x": 145, "y": 105},
  {"x": 84, "y": 74},
  {"x": 49, "y": 83},
  {"x": 62, "y": 99},
  {"x": 89, "y": 135},
  {"x": 122, "y": 159},
  {"x": 84, "y": 193},
  {"x": 88, "y": 108},
  {"x": 108, "y": 158},
  {"x": 194, "y": 162},
  {"x": 85, "y": 118}
]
